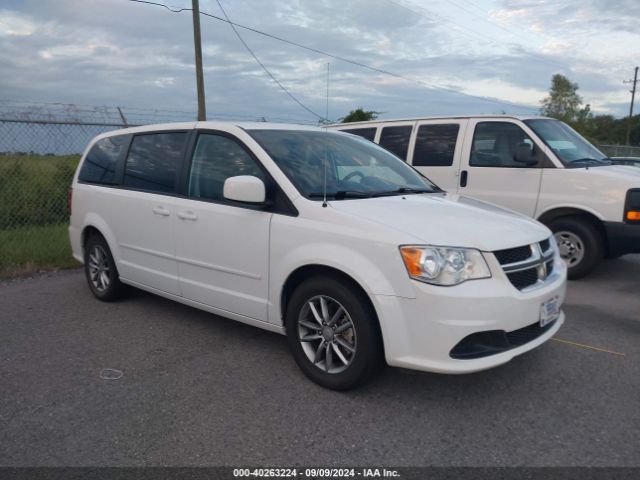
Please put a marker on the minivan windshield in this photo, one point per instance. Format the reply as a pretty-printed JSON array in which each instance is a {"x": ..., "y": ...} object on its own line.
[
  {"x": 342, "y": 165},
  {"x": 571, "y": 148}
]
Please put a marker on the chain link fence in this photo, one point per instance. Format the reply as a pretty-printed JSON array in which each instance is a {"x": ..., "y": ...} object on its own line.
[
  {"x": 40, "y": 146},
  {"x": 620, "y": 151},
  {"x": 37, "y": 163}
]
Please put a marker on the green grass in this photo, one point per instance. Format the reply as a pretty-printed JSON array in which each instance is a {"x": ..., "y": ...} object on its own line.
[
  {"x": 31, "y": 249},
  {"x": 33, "y": 189},
  {"x": 34, "y": 214}
]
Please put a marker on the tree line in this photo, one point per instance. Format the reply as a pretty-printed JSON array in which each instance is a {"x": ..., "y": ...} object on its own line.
[{"x": 564, "y": 103}]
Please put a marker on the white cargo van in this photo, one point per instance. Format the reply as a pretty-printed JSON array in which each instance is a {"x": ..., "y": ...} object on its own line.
[
  {"x": 320, "y": 235},
  {"x": 536, "y": 166}
]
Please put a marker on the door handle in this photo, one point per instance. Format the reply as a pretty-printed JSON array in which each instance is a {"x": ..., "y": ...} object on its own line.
[
  {"x": 187, "y": 215},
  {"x": 161, "y": 211},
  {"x": 463, "y": 178}
]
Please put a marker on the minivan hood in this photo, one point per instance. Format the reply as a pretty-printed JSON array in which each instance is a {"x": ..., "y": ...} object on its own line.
[{"x": 447, "y": 220}]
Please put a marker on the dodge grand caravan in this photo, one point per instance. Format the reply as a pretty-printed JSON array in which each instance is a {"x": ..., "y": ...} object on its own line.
[
  {"x": 322, "y": 236},
  {"x": 537, "y": 166}
]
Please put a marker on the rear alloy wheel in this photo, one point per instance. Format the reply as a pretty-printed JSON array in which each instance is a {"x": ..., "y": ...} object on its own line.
[
  {"x": 333, "y": 333},
  {"x": 101, "y": 271},
  {"x": 580, "y": 245}
]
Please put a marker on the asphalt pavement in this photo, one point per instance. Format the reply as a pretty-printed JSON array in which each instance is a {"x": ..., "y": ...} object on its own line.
[{"x": 147, "y": 381}]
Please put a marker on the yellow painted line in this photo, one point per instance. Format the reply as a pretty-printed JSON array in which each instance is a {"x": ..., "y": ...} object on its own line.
[{"x": 575, "y": 344}]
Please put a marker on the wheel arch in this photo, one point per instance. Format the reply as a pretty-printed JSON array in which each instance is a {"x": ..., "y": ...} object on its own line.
[
  {"x": 304, "y": 272},
  {"x": 564, "y": 212},
  {"x": 88, "y": 232},
  {"x": 94, "y": 225}
]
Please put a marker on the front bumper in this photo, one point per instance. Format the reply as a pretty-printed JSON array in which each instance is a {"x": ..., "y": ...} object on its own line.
[
  {"x": 420, "y": 333},
  {"x": 622, "y": 238}
]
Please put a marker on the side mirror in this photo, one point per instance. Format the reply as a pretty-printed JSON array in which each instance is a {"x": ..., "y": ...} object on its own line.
[
  {"x": 524, "y": 154},
  {"x": 244, "y": 188}
]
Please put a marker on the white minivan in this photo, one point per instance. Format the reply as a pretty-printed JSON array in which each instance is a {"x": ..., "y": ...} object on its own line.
[
  {"x": 319, "y": 235},
  {"x": 537, "y": 166}
]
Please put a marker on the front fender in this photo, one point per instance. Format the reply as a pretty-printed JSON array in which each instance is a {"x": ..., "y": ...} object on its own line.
[{"x": 385, "y": 276}]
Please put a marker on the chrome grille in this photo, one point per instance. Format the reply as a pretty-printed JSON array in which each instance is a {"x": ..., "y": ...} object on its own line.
[{"x": 527, "y": 266}]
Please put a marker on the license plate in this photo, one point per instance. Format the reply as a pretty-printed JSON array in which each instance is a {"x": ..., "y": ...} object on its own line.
[{"x": 549, "y": 311}]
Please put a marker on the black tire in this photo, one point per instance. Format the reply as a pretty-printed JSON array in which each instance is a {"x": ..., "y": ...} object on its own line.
[
  {"x": 573, "y": 233},
  {"x": 98, "y": 254},
  {"x": 364, "y": 336}
]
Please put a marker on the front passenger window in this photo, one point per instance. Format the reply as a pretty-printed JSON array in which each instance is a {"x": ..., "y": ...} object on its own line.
[
  {"x": 215, "y": 159},
  {"x": 495, "y": 144}
]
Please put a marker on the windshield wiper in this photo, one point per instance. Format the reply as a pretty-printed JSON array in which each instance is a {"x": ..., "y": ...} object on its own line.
[
  {"x": 591, "y": 161},
  {"x": 341, "y": 194},
  {"x": 402, "y": 190}
]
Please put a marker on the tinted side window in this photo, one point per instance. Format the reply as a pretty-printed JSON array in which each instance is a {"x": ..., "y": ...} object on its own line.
[
  {"x": 100, "y": 163},
  {"x": 495, "y": 144},
  {"x": 154, "y": 160},
  {"x": 215, "y": 159},
  {"x": 368, "y": 133},
  {"x": 435, "y": 145},
  {"x": 396, "y": 140}
]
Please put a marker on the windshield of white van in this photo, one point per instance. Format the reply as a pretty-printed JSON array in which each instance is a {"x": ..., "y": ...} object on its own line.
[
  {"x": 570, "y": 147},
  {"x": 349, "y": 166}
]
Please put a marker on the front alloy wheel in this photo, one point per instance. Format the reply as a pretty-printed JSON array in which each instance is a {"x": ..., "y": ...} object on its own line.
[
  {"x": 327, "y": 334},
  {"x": 333, "y": 332}
]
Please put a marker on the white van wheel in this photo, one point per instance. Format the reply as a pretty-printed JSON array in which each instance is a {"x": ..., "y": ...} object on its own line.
[{"x": 580, "y": 245}]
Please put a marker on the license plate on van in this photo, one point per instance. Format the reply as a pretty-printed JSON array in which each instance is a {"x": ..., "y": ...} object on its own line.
[{"x": 549, "y": 311}]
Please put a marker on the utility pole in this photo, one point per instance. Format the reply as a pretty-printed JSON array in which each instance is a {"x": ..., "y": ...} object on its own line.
[
  {"x": 202, "y": 112},
  {"x": 633, "y": 96}
]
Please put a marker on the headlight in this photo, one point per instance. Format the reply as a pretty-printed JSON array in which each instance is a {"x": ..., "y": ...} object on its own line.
[{"x": 444, "y": 265}]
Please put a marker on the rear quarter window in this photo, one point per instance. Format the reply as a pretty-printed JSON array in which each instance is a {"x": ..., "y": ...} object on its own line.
[
  {"x": 369, "y": 133},
  {"x": 396, "y": 140},
  {"x": 100, "y": 164}
]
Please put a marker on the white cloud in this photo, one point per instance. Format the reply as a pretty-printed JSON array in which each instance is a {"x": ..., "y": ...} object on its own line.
[
  {"x": 108, "y": 52},
  {"x": 16, "y": 25}
]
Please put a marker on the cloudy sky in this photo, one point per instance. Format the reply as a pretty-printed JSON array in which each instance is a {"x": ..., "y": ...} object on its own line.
[{"x": 442, "y": 56}]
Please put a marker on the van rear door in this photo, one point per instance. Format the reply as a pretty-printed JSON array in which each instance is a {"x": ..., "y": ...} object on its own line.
[{"x": 436, "y": 150}]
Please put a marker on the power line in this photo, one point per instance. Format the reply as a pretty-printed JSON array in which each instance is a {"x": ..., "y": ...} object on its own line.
[
  {"x": 281, "y": 39},
  {"x": 475, "y": 6},
  {"x": 347, "y": 60},
  {"x": 255, "y": 57},
  {"x": 172, "y": 10},
  {"x": 473, "y": 14}
]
